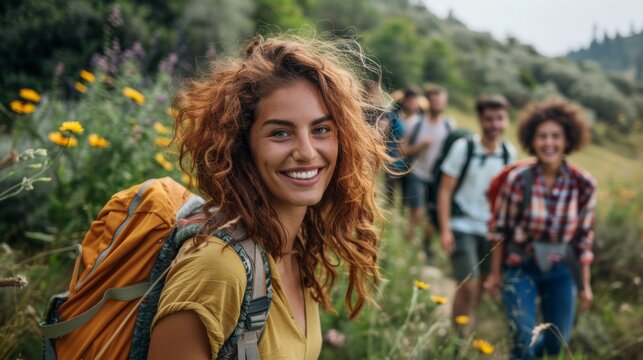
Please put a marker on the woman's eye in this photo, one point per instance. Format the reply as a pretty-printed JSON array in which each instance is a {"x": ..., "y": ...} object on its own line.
[
  {"x": 279, "y": 133},
  {"x": 321, "y": 130}
]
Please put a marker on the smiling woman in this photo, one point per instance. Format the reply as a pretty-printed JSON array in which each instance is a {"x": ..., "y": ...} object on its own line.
[
  {"x": 544, "y": 230},
  {"x": 279, "y": 147}
]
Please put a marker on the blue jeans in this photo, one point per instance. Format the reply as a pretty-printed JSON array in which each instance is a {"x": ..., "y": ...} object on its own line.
[{"x": 557, "y": 292}]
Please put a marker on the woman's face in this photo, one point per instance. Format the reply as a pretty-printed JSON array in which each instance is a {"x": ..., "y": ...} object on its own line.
[
  {"x": 549, "y": 143},
  {"x": 293, "y": 142}
]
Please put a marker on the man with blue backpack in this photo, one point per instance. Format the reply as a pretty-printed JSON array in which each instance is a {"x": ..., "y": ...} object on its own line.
[
  {"x": 464, "y": 174},
  {"x": 423, "y": 145}
]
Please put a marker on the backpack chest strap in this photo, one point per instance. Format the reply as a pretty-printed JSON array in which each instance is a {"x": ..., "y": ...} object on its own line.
[{"x": 257, "y": 311}]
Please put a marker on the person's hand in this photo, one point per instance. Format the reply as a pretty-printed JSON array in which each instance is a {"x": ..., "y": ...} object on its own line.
[
  {"x": 446, "y": 239},
  {"x": 586, "y": 298},
  {"x": 425, "y": 143},
  {"x": 492, "y": 284}
]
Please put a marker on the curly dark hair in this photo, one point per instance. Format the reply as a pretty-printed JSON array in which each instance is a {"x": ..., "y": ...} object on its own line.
[{"x": 563, "y": 112}]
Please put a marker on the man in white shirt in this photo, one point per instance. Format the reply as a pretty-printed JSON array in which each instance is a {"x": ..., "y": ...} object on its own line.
[
  {"x": 423, "y": 145},
  {"x": 462, "y": 209}
]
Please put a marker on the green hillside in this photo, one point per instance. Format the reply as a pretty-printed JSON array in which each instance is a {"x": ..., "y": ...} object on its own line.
[{"x": 411, "y": 44}]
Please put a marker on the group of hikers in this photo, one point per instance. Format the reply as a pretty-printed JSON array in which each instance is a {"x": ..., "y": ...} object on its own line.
[
  {"x": 520, "y": 229},
  {"x": 287, "y": 168}
]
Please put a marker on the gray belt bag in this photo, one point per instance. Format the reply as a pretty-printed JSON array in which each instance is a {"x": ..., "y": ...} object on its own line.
[{"x": 545, "y": 253}]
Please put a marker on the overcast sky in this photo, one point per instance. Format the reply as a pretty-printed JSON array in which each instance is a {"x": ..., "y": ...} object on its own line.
[{"x": 553, "y": 27}]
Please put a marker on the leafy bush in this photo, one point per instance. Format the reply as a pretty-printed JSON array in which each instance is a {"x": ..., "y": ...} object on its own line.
[{"x": 134, "y": 128}]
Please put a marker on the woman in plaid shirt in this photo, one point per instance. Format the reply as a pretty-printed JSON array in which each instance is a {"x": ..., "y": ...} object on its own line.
[{"x": 543, "y": 229}]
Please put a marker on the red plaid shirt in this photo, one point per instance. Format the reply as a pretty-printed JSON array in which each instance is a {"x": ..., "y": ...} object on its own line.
[{"x": 564, "y": 215}]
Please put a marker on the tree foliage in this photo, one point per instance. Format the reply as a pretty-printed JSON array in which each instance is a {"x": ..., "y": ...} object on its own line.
[
  {"x": 398, "y": 48},
  {"x": 412, "y": 45}
]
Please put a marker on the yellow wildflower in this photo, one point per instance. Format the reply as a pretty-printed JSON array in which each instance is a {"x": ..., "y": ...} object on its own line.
[
  {"x": 162, "y": 141},
  {"x": 163, "y": 162},
  {"x": 80, "y": 87},
  {"x": 438, "y": 299},
  {"x": 28, "y": 108},
  {"x": 421, "y": 285},
  {"x": 483, "y": 346},
  {"x": 134, "y": 95},
  {"x": 73, "y": 126},
  {"x": 61, "y": 140},
  {"x": 30, "y": 94},
  {"x": 87, "y": 76},
  {"x": 97, "y": 141},
  {"x": 161, "y": 129},
  {"x": 462, "y": 320},
  {"x": 20, "y": 107},
  {"x": 16, "y": 106}
]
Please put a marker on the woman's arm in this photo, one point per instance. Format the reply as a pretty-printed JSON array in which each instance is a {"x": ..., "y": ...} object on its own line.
[
  {"x": 586, "y": 295},
  {"x": 200, "y": 303},
  {"x": 180, "y": 335},
  {"x": 584, "y": 237},
  {"x": 492, "y": 284}
]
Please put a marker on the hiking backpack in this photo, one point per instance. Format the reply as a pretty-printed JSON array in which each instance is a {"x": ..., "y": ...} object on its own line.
[
  {"x": 493, "y": 192},
  {"x": 437, "y": 172},
  {"x": 120, "y": 272}
]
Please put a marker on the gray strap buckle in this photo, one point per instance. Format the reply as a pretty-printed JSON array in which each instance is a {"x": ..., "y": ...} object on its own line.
[{"x": 247, "y": 348}]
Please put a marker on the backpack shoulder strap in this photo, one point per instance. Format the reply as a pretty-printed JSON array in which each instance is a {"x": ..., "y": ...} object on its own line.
[
  {"x": 256, "y": 302},
  {"x": 467, "y": 161},
  {"x": 448, "y": 125},
  {"x": 526, "y": 194},
  {"x": 505, "y": 153},
  {"x": 257, "y": 313},
  {"x": 416, "y": 131}
]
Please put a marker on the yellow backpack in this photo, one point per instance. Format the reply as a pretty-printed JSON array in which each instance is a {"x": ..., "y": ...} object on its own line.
[{"x": 120, "y": 271}]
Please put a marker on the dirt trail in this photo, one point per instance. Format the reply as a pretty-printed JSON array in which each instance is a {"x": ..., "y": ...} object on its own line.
[{"x": 442, "y": 285}]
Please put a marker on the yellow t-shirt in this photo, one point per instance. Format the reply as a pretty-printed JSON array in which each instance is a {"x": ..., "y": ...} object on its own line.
[{"x": 211, "y": 282}]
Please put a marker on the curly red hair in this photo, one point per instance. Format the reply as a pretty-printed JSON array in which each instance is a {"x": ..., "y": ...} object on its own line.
[{"x": 214, "y": 117}]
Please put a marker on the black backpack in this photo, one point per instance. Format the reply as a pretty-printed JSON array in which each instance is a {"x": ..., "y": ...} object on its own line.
[{"x": 437, "y": 172}]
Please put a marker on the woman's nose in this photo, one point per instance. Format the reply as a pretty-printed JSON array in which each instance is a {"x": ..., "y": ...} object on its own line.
[{"x": 304, "y": 150}]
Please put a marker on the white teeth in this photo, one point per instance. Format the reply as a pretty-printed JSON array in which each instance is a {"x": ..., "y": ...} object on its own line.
[{"x": 302, "y": 174}]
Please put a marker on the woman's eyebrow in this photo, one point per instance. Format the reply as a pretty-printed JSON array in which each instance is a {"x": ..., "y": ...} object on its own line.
[
  {"x": 281, "y": 122},
  {"x": 321, "y": 119}
]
